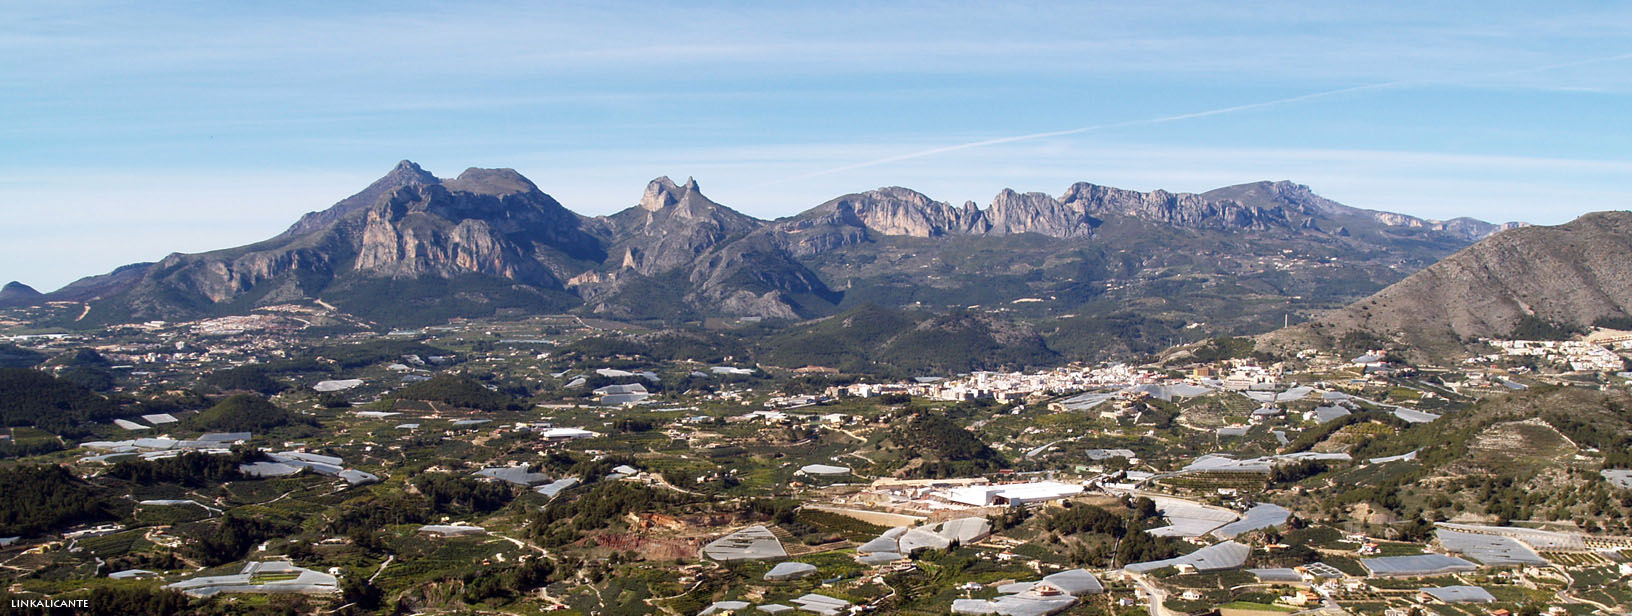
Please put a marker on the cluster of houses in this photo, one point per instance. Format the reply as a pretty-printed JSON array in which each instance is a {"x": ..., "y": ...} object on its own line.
[
  {"x": 1579, "y": 355},
  {"x": 1003, "y": 386}
]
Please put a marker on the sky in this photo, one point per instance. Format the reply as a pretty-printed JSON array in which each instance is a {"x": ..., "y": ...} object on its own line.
[{"x": 132, "y": 130}]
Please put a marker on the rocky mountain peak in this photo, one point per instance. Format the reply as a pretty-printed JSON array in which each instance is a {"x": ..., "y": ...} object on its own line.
[
  {"x": 1291, "y": 196},
  {"x": 661, "y": 193},
  {"x": 671, "y": 226},
  {"x": 406, "y": 173},
  {"x": 494, "y": 182},
  {"x": 409, "y": 172},
  {"x": 667, "y": 203},
  {"x": 896, "y": 195},
  {"x": 1009, "y": 199},
  {"x": 903, "y": 194}
]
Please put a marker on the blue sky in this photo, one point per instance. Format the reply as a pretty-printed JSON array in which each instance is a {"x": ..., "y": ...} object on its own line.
[{"x": 130, "y": 130}]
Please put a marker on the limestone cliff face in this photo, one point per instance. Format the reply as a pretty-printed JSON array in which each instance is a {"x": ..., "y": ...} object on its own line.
[
  {"x": 859, "y": 217},
  {"x": 899, "y": 211},
  {"x": 1178, "y": 209},
  {"x": 730, "y": 265},
  {"x": 1474, "y": 229},
  {"x": 485, "y": 222},
  {"x": 223, "y": 278},
  {"x": 1012, "y": 212},
  {"x": 894, "y": 210},
  {"x": 1291, "y": 197},
  {"x": 400, "y": 244}
]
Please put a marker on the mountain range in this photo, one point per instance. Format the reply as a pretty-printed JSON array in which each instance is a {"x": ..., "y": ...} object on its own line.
[{"x": 412, "y": 248}]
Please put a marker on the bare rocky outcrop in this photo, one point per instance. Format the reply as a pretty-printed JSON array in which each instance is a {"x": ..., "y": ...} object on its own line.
[
  {"x": 891, "y": 210},
  {"x": 1012, "y": 212},
  {"x": 1178, "y": 209}
]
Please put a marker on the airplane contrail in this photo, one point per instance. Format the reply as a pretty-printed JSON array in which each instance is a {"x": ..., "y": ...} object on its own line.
[
  {"x": 1084, "y": 129},
  {"x": 1164, "y": 119}
]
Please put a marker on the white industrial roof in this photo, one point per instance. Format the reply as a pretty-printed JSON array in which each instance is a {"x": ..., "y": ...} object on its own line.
[
  {"x": 1225, "y": 555},
  {"x": 752, "y": 543}
]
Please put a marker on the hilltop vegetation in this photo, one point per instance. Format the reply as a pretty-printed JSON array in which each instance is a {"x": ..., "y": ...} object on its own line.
[
  {"x": 32, "y": 398},
  {"x": 40, "y": 499},
  {"x": 600, "y": 506},
  {"x": 1532, "y": 455},
  {"x": 458, "y": 390},
  {"x": 1116, "y": 332},
  {"x": 874, "y": 339},
  {"x": 843, "y": 341},
  {"x": 944, "y": 448},
  {"x": 251, "y": 378},
  {"x": 340, "y": 357},
  {"x": 662, "y": 345},
  {"x": 246, "y": 413},
  {"x": 13, "y": 356},
  {"x": 85, "y": 367},
  {"x": 190, "y": 469},
  {"x": 236, "y": 534},
  {"x": 452, "y": 494}
]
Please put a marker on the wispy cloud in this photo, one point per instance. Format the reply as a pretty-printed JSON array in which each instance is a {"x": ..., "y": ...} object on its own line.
[
  {"x": 511, "y": 40},
  {"x": 1176, "y": 118},
  {"x": 1077, "y": 131}
]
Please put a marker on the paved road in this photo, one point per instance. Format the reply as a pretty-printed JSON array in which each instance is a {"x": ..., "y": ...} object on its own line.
[
  {"x": 387, "y": 563},
  {"x": 1155, "y": 595}
]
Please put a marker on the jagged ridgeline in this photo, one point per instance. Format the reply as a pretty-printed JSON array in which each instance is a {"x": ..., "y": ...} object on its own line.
[{"x": 414, "y": 249}]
